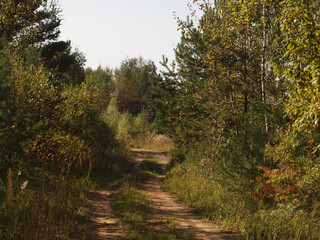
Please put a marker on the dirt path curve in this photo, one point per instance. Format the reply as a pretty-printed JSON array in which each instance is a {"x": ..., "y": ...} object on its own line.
[
  {"x": 165, "y": 207},
  {"x": 104, "y": 224}
]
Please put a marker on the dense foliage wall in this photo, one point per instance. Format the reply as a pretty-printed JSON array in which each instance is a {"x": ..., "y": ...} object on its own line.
[
  {"x": 52, "y": 135},
  {"x": 242, "y": 96}
]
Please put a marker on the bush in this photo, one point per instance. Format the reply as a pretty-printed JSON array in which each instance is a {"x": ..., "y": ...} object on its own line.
[
  {"x": 129, "y": 129},
  {"x": 62, "y": 153},
  {"x": 121, "y": 123},
  {"x": 296, "y": 173},
  {"x": 196, "y": 183}
]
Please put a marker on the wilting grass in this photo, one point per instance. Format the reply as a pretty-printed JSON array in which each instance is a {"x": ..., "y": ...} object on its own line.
[{"x": 154, "y": 142}]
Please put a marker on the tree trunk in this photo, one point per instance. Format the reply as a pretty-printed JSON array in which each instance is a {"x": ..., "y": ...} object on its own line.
[{"x": 263, "y": 65}]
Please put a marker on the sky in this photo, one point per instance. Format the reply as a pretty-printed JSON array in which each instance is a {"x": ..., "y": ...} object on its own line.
[{"x": 109, "y": 31}]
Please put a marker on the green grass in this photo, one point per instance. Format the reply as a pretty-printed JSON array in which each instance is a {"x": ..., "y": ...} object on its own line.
[
  {"x": 196, "y": 187},
  {"x": 52, "y": 208},
  {"x": 133, "y": 208},
  {"x": 283, "y": 222}
]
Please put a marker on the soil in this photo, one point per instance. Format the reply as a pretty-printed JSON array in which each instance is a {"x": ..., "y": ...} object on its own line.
[
  {"x": 165, "y": 207},
  {"x": 104, "y": 224}
]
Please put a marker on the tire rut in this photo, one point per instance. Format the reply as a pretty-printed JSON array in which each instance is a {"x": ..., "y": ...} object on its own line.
[
  {"x": 104, "y": 224},
  {"x": 165, "y": 208}
]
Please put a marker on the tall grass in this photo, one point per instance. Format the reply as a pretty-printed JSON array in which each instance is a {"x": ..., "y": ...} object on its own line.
[
  {"x": 121, "y": 123},
  {"x": 195, "y": 185},
  {"x": 283, "y": 222},
  {"x": 40, "y": 204},
  {"x": 135, "y": 131},
  {"x": 197, "y": 188},
  {"x": 50, "y": 208}
]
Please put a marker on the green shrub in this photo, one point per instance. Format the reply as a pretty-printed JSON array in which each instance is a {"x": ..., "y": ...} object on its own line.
[
  {"x": 121, "y": 123},
  {"x": 197, "y": 185}
]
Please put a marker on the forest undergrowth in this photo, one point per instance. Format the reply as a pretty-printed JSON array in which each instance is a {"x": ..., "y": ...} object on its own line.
[
  {"x": 196, "y": 185},
  {"x": 38, "y": 203},
  {"x": 240, "y": 103}
]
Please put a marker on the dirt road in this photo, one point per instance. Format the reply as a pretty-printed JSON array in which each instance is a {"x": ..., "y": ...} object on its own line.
[{"x": 165, "y": 208}]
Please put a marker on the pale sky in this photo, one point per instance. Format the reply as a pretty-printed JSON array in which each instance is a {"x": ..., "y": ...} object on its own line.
[{"x": 108, "y": 31}]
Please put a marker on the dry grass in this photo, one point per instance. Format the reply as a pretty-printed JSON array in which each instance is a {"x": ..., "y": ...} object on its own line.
[{"x": 158, "y": 142}]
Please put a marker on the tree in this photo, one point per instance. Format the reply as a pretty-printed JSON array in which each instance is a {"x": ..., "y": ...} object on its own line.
[
  {"x": 83, "y": 107},
  {"x": 132, "y": 82},
  {"x": 22, "y": 23},
  {"x": 68, "y": 65},
  {"x": 296, "y": 153},
  {"x": 161, "y": 100},
  {"x": 103, "y": 85},
  {"x": 227, "y": 96},
  {"x": 26, "y": 22},
  {"x": 300, "y": 62}
]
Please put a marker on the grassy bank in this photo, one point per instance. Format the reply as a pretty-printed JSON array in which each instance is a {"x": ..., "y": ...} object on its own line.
[
  {"x": 195, "y": 185},
  {"x": 43, "y": 205},
  {"x": 53, "y": 208}
]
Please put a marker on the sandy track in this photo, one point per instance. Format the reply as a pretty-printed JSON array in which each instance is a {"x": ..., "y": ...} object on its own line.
[
  {"x": 165, "y": 208},
  {"x": 104, "y": 224}
]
